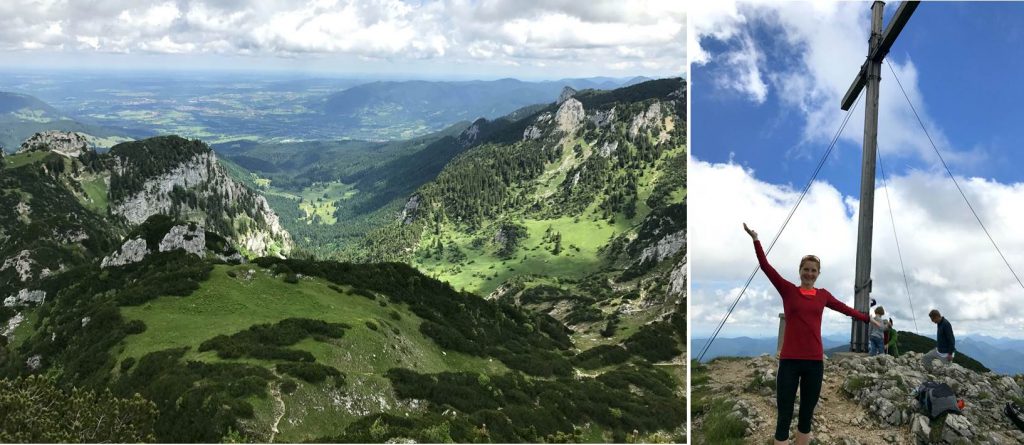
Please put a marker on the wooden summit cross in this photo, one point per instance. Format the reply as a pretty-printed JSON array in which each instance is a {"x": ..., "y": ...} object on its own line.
[{"x": 870, "y": 75}]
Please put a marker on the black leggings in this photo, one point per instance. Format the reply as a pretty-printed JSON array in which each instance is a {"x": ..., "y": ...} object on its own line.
[{"x": 807, "y": 374}]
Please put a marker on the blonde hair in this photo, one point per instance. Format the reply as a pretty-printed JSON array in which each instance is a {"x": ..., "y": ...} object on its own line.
[{"x": 813, "y": 258}]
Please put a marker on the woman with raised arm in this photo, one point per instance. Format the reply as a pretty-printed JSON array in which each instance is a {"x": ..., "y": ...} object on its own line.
[{"x": 800, "y": 362}]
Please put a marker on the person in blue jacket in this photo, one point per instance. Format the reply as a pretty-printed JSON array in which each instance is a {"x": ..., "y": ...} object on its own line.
[{"x": 945, "y": 345}]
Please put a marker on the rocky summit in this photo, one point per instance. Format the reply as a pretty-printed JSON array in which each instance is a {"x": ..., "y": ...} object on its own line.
[
  {"x": 64, "y": 143},
  {"x": 866, "y": 400}
]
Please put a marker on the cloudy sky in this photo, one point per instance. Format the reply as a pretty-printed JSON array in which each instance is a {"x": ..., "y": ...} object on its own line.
[
  {"x": 468, "y": 38},
  {"x": 767, "y": 80}
]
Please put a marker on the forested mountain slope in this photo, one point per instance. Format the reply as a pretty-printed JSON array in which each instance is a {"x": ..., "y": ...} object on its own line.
[
  {"x": 70, "y": 206},
  {"x": 577, "y": 211}
]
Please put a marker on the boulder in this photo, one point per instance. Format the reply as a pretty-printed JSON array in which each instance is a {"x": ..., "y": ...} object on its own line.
[{"x": 132, "y": 251}]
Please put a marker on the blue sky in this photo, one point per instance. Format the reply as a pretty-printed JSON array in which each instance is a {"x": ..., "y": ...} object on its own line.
[
  {"x": 767, "y": 80},
  {"x": 961, "y": 53},
  {"x": 487, "y": 39}
]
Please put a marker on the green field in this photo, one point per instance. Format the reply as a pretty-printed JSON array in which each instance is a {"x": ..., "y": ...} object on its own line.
[
  {"x": 18, "y": 160},
  {"x": 481, "y": 272},
  {"x": 39, "y": 116},
  {"x": 226, "y": 305},
  {"x": 96, "y": 193},
  {"x": 319, "y": 201},
  {"x": 26, "y": 329}
]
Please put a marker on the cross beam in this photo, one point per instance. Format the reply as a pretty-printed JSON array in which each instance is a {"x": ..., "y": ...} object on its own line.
[{"x": 878, "y": 53}]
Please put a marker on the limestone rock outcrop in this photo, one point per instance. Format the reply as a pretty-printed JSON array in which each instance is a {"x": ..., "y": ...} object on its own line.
[
  {"x": 25, "y": 297},
  {"x": 569, "y": 116},
  {"x": 203, "y": 175},
  {"x": 132, "y": 251},
  {"x": 65, "y": 143}
]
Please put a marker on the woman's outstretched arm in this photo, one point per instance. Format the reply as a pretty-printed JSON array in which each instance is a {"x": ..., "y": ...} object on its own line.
[
  {"x": 839, "y": 306},
  {"x": 769, "y": 271}
]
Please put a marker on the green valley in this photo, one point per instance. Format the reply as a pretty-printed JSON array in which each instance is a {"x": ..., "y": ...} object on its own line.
[{"x": 519, "y": 279}]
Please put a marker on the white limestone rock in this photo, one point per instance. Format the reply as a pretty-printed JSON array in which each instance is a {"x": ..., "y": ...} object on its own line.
[
  {"x": 677, "y": 279},
  {"x": 34, "y": 362},
  {"x": 532, "y": 132},
  {"x": 576, "y": 178},
  {"x": 608, "y": 148},
  {"x": 569, "y": 116},
  {"x": 182, "y": 237},
  {"x": 24, "y": 210},
  {"x": 203, "y": 173},
  {"x": 132, "y": 251},
  {"x": 12, "y": 324},
  {"x": 410, "y": 209},
  {"x": 64, "y": 143},
  {"x": 603, "y": 119},
  {"x": 664, "y": 248},
  {"x": 154, "y": 198},
  {"x": 24, "y": 297},
  {"x": 958, "y": 429},
  {"x": 71, "y": 236},
  {"x": 470, "y": 135},
  {"x": 649, "y": 118},
  {"x": 22, "y": 264}
]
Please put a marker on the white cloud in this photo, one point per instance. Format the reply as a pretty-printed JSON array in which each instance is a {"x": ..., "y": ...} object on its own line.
[
  {"x": 650, "y": 34},
  {"x": 719, "y": 20},
  {"x": 166, "y": 45},
  {"x": 828, "y": 41},
  {"x": 159, "y": 16},
  {"x": 90, "y": 41},
  {"x": 951, "y": 265},
  {"x": 747, "y": 77}
]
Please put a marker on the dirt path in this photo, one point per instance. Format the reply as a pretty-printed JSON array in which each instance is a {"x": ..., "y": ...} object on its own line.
[
  {"x": 279, "y": 408},
  {"x": 836, "y": 417}
]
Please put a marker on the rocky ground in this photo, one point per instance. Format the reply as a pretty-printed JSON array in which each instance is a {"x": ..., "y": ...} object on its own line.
[{"x": 868, "y": 400}]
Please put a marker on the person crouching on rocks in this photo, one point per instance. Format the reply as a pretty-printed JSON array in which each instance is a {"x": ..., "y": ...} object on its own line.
[
  {"x": 800, "y": 362},
  {"x": 945, "y": 345}
]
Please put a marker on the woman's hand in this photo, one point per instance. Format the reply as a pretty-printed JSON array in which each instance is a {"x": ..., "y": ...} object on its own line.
[{"x": 751, "y": 232}]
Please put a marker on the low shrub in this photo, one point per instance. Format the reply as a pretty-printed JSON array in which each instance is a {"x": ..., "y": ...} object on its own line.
[
  {"x": 289, "y": 386},
  {"x": 134, "y": 327}
]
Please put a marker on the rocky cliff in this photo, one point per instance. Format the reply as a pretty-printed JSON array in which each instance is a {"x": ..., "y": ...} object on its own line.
[
  {"x": 192, "y": 186},
  {"x": 161, "y": 233},
  {"x": 864, "y": 400},
  {"x": 70, "y": 207}
]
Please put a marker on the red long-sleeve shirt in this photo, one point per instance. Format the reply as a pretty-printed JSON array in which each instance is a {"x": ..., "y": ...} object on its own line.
[{"x": 802, "y": 339}]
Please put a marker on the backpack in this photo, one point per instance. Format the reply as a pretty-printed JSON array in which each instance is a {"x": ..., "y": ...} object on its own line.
[
  {"x": 936, "y": 399},
  {"x": 1015, "y": 413},
  {"x": 892, "y": 343}
]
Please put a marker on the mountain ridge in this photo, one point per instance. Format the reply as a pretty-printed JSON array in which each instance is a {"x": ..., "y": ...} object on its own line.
[
  {"x": 73, "y": 206},
  {"x": 22, "y": 115}
]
